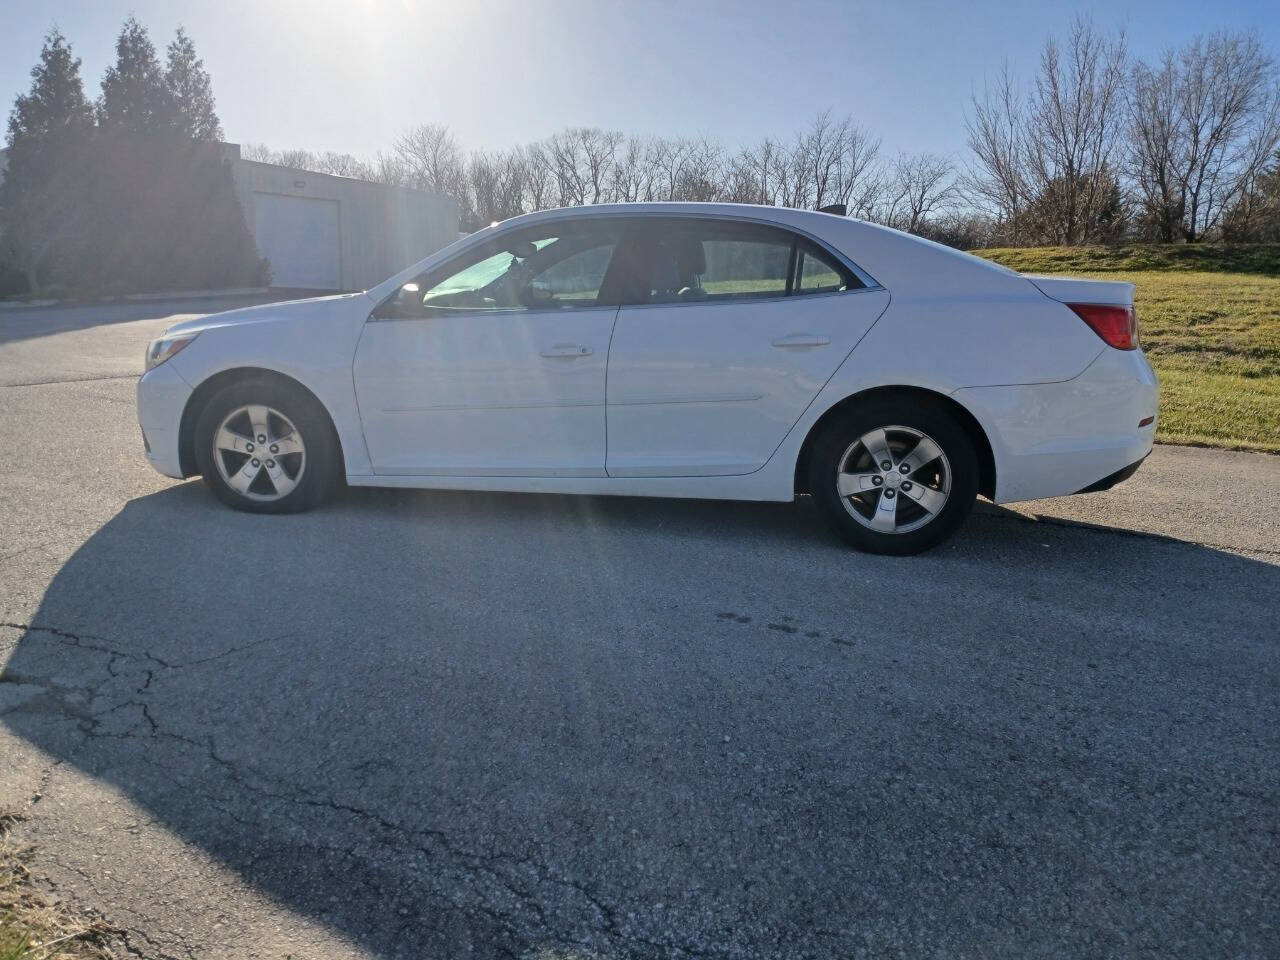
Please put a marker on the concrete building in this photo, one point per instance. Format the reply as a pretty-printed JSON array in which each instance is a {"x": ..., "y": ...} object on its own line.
[
  {"x": 322, "y": 232},
  {"x": 333, "y": 233}
]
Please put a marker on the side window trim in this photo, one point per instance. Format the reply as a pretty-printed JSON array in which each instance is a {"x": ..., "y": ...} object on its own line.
[{"x": 645, "y": 245}]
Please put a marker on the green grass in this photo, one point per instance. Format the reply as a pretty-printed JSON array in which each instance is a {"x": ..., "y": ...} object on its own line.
[
  {"x": 14, "y": 943},
  {"x": 30, "y": 927},
  {"x": 1259, "y": 258},
  {"x": 1210, "y": 324}
]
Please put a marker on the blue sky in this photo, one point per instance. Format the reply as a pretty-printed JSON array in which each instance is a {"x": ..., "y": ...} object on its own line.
[{"x": 349, "y": 74}]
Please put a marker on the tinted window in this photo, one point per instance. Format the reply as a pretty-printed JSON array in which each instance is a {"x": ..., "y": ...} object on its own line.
[
  {"x": 818, "y": 272},
  {"x": 710, "y": 261},
  {"x": 707, "y": 261},
  {"x": 558, "y": 266}
]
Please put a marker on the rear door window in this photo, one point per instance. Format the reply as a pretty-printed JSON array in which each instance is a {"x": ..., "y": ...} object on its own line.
[
  {"x": 818, "y": 272},
  {"x": 698, "y": 260}
]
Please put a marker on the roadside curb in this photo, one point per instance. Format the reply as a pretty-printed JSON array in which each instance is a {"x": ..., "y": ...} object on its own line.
[{"x": 137, "y": 298}]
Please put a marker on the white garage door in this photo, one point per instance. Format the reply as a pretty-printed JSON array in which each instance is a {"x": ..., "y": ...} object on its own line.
[{"x": 299, "y": 235}]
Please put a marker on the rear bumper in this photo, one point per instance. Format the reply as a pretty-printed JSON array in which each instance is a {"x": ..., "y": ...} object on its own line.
[
  {"x": 162, "y": 396},
  {"x": 1111, "y": 479},
  {"x": 1052, "y": 439}
]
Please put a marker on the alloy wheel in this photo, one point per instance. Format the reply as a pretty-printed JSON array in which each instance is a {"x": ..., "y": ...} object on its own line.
[
  {"x": 894, "y": 479},
  {"x": 259, "y": 452}
]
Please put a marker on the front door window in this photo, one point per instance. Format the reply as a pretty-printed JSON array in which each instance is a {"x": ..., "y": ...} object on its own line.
[{"x": 556, "y": 267}]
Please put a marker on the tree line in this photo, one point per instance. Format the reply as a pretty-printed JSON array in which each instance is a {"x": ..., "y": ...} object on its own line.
[
  {"x": 1098, "y": 147},
  {"x": 1103, "y": 147},
  {"x": 129, "y": 192},
  {"x": 132, "y": 192}
]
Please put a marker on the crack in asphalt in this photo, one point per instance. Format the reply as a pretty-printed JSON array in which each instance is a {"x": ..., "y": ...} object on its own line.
[
  {"x": 509, "y": 877},
  {"x": 57, "y": 380}
]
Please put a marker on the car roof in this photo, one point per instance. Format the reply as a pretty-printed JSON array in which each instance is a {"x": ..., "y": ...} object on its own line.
[
  {"x": 809, "y": 221},
  {"x": 887, "y": 257}
]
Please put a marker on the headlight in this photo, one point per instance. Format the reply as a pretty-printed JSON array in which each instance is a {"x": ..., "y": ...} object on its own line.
[{"x": 158, "y": 351}]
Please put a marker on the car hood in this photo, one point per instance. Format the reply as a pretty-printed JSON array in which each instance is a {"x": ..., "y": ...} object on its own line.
[{"x": 263, "y": 313}]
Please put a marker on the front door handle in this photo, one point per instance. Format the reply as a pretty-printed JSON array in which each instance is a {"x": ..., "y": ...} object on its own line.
[
  {"x": 567, "y": 351},
  {"x": 801, "y": 340}
]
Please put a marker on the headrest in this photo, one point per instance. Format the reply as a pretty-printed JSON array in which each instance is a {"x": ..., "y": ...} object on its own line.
[{"x": 689, "y": 254}]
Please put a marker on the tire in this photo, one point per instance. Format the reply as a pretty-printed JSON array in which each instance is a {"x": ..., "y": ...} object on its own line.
[
  {"x": 242, "y": 464},
  {"x": 894, "y": 511}
]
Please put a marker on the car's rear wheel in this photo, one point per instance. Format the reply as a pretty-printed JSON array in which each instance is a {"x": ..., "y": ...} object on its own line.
[
  {"x": 896, "y": 475},
  {"x": 265, "y": 447}
]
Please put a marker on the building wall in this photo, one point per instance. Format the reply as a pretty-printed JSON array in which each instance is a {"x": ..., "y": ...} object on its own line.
[{"x": 382, "y": 229}]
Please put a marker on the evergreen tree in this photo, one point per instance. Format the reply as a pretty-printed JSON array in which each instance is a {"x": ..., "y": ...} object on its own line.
[
  {"x": 190, "y": 90},
  {"x": 165, "y": 209},
  {"x": 56, "y": 101},
  {"x": 135, "y": 98},
  {"x": 44, "y": 198},
  {"x": 144, "y": 201}
]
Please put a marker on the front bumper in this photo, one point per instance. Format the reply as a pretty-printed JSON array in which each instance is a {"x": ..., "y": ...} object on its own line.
[
  {"x": 162, "y": 396},
  {"x": 1052, "y": 439}
]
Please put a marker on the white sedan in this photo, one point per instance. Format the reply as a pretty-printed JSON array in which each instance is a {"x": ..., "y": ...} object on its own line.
[{"x": 671, "y": 350}]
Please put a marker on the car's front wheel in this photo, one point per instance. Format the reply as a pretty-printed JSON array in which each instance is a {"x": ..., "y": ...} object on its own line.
[
  {"x": 264, "y": 447},
  {"x": 896, "y": 475}
]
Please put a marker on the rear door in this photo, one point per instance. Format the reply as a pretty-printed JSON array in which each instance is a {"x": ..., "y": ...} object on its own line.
[{"x": 732, "y": 331}]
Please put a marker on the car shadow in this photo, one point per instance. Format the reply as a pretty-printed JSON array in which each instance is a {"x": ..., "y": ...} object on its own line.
[{"x": 460, "y": 723}]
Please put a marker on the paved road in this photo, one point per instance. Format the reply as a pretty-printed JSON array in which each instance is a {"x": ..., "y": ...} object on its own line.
[{"x": 441, "y": 725}]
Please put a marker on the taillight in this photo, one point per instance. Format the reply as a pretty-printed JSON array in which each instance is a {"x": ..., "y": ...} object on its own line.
[{"x": 1117, "y": 326}]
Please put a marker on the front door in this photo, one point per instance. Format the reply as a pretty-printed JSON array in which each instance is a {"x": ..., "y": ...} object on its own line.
[
  {"x": 736, "y": 330},
  {"x": 494, "y": 365}
]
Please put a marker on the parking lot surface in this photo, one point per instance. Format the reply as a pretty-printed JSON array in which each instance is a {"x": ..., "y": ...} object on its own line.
[{"x": 459, "y": 724}]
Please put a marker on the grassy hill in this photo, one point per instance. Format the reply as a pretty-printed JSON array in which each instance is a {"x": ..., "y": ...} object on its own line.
[{"x": 1210, "y": 324}]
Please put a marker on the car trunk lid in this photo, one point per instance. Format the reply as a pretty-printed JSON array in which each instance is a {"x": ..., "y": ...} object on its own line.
[
  {"x": 1074, "y": 290},
  {"x": 1105, "y": 305}
]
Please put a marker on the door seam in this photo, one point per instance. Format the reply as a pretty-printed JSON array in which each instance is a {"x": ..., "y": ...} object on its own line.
[{"x": 608, "y": 359}]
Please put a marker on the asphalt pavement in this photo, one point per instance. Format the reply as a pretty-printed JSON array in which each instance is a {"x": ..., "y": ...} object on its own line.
[{"x": 461, "y": 724}]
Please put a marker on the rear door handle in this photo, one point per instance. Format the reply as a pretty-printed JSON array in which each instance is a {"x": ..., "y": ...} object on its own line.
[
  {"x": 801, "y": 340},
  {"x": 567, "y": 350}
]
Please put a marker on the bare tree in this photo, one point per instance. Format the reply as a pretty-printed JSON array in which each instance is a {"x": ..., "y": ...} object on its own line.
[
  {"x": 918, "y": 188},
  {"x": 1230, "y": 123},
  {"x": 432, "y": 160},
  {"x": 512, "y": 182},
  {"x": 482, "y": 188},
  {"x": 996, "y": 179},
  {"x": 388, "y": 168},
  {"x": 564, "y": 151},
  {"x": 630, "y": 172},
  {"x": 818, "y": 153},
  {"x": 1076, "y": 117},
  {"x": 496, "y": 185},
  {"x": 667, "y": 158},
  {"x": 855, "y": 181},
  {"x": 257, "y": 152},
  {"x": 1202, "y": 123},
  {"x": 751, "y": 176},
  {"x": 1152, "y": 161},
  {"x": 540, "y": 179},
  {"x": 330, "y": 162},
  {"x": 342, "y": 165},
  {"x": 599, "y": 148},
  {"x": 701, "y": 175}
]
